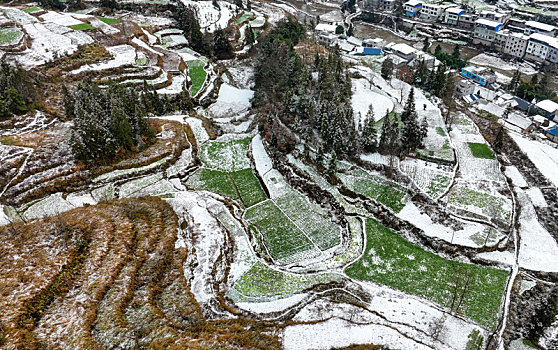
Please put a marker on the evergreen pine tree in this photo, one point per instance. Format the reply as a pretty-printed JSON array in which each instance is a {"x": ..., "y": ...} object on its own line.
[
  {"x": 409, "y": 106},
  {"x": 387, "y": 68},
  {"x": 250, "y": 37},
  {"x": 332, "y": 166},
  {"x": 222, "y": 47},
  {"x": 369, "y": 133}
]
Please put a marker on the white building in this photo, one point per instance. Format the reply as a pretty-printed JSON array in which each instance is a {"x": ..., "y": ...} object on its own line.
[
  {"x": 516, "y": 44},
  {"x": 541, "y": 47},
  {"x": 532, "y": 27},
  {"x": 374, "y": 43},
  {"x": 404, "y": 51},
  {"x": 485, "y": 31},
  {"x": 433, "y": 12},
  {"x": 452, "y": 15},
  {"x": 325, "y": 28},
  {"x": 412, "y": 8},
  {"x": 494, "y": 16}
]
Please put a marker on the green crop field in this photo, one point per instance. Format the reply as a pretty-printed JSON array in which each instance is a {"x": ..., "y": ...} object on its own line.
[
  {"x": 197, "y": 74},
  {"x": 481, "y": 150},
  {"x": 262, "y": 281},
  {"x": 391, "y": 260},
  {"x": 110, "y": 21},
  {"x": 10, "y": 35},
  {"x": 491, "y": 206},
  {"x": 311, "y": 218},
  {"x": 387, "y": 193},
  {"x": 32, "y": 9},
  {"x": 281, "y": 236},
  {"x": 243, "y": 18},
  {"x": 248, "y": 186},
  {"x": 226, "y": 155},
  {"x": 82, "y": 26}
]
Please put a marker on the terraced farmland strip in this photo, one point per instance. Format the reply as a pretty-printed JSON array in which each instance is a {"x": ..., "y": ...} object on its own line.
[
  {"x": 197, "y": 74},
  {"x": 248, "y": 186},
  {"x": 391, "y": 260},
  {"x": 262, "y": 281},
  {"x": 388, "y": 195},
  {"x": 213, "y": 181},
  {"x": 312, "y": 219},
  {"x": 281, "y": 236}
]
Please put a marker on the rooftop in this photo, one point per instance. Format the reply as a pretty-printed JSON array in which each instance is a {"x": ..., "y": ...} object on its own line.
[
  {"x": 403, "y": 48},
  {"x": 488, "y": 22},
  {"x": 455, "y": 10},
  {"x": 545, "y": 38},
  {"x": 540, "y": 26},
  {"x": 548, "y": 105},
  {"x": 413, "y": 3},
  {"x": 324, "y": 27}
]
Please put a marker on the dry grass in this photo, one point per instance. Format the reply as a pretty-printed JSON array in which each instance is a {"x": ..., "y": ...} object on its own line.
[{"x": 105, "y": 276}]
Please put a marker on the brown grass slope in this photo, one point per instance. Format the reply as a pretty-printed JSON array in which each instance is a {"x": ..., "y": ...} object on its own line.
[{"x": 108, "y": 276}]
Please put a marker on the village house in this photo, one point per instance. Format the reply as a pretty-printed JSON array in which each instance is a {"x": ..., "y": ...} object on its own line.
[
  {"x": 532, "y": 27},
  {"x": 374, "y": 43},
  {"x": 452, "y": 15},
  {"x": 548, "y": 108},
  {"x": 412, "y": 8},
  {"x": 516, "y": 44},
  {"x": 541, "y": 47},
  {"x": 481, "y": 75},
  {"x": 404, "y": 51},
  {"x": 485, "y": 31}
]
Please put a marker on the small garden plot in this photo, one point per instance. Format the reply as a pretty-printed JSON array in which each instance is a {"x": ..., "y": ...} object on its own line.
[
  {"x": 391, "y": 260},
  {"x": 32, "y": 9},
  {"x": 481, "y": 150},
  {"x": 82, "y": 26},
  {"x": 213, "y": 181},
  {"x": 262, "y": 281},
  {"x": 310, "y": 218},
  {"x": 481, "y": 203},
  {"x": 197, "y": 75},
  {"x": 282, "y": 238},
  {"x": 431, "y": 178},
  {"x": 248, "y": 186},
  {"x": 110, "y": 21},
  {"x": 244, "y": 17},
  {"x": 226, "y": 155},
  {"x": 10, "y": 36},
  {"x": 386, "y": 192}
]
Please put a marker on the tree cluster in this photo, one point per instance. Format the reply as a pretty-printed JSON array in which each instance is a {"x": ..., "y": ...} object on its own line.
[
  {"x": 16, "y": 91},
  {"x": 403, "y": 135},
  {"x": 533, "y": 89},
  {"x": 214, "y": 45},
  {"x": 110, "y": 122},
  {"x": 297, "y": 101},
  {"x": 454, "y": 60}
]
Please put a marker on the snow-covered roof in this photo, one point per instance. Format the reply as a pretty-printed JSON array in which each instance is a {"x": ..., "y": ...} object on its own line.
[
  {"x": 541, "y": 26},
  {"x": 455, "y": 10},
  {"x": 488, "y": 22},
  {"x": 548, "y": 105},
  {"x": 520, "y": 35},
  {"x": 403, "y": 48},
  {"x": 545, "y": 38},
  {"x": 324, "y": 27},
  {"x": 354, "y": 41},
  {"x": 518, "y": 120},
  {"x": 413, "y": 3},
  {"x": 345, "y": 46},
  {"x": 539, "y": 118}
]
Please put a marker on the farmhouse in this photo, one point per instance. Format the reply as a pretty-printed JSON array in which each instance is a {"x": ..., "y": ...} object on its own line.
[{"x": 548, "y": 108}]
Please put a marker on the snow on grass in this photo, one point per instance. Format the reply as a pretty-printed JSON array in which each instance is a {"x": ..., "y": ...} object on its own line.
[
  {"x": 377, "y": 158},
  {"x": 184, "y": 161},
  {"x": 433, "y": 179},
  {"x": 226, "y": 155},
  {"x": 263, "y": 281},
  {"x": 45, "y": 45},
  {"x": 151, "y": 185},
  {"x": 261, "y": 158},
  {"x": 49, "y": 206},
  {"x": 536, "y": 197},
  {"x": 273, "y": 306},
  {"x": 231, "y": 101},
  {"x": 205, "y": 241},
  {"x": 538, "y": 250},
  {"x": 117, "y": 174},
  {"x": 339, "y": 333},
  {"x": 487, "y": 60},
  {"x": 209, "y": 17},
  {"x": 63, "y": 19},
  {"x": 10, "y": 36},
  {"x": 389, "y": 259},
  {"x": 123, "y": 55},
  {"x": 103, "y": 26},
  {"x": 18, "y": 16},
  {"x": 197, "y": 128},
  {"x": 177, "y": 85},
  {"x": 545, "y": 157},
  {"x": 471, "y": 235},
  {"x": 515, "y": 176},
  {"x": 363, "y": 97}
]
